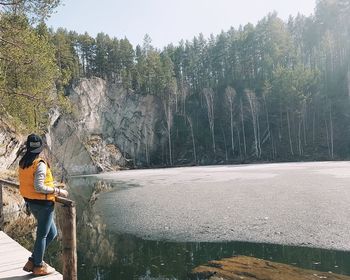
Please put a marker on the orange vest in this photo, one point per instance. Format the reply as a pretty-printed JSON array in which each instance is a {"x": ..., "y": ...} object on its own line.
[{"x": 26, "y": 182}]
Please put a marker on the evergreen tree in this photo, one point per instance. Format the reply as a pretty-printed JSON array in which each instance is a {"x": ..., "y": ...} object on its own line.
[{"x": 27, "y": 71}]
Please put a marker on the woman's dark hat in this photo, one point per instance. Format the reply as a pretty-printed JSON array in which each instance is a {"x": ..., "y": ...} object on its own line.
[{"x": 34, "y": 144}]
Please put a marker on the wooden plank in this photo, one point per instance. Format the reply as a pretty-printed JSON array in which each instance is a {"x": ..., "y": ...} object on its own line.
[
  {"x": 10, "y": 183},
  {"x": 12, "y": 259},
  {"x": 65, "y": 201}
]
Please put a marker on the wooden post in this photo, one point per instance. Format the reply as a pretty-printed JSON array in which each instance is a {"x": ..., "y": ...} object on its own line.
[
  {"x": 68, "y": 226},
  {"x": 1, "y": 210}
]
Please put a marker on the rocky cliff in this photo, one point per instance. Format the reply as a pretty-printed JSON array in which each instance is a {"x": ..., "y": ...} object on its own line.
[{"x": 110, "y": 127}]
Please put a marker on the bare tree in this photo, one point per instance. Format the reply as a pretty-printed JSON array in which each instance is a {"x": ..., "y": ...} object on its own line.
[
  {"x": 168, "y": 104},
  {"x": 209, "y": 98},
  {"x": 255, "y": 121},
  {"x": 230, "y": 96},
  {"x": 239, "y": 142},
  {"x": 290, "y": 134},
  {"x": 193, "y": 139},
  {"x": 225, "y": 143},
  {"x": 184, "y": 93},
  {"x": 269, "y": 133},
  {"x": 243, "y": 128},
  {"x": 300, "y": 145},
  {"x": 331, "y": 131},
  {"x": 302, "y": 124}
]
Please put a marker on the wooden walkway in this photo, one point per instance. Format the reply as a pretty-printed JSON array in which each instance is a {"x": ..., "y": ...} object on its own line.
[{"x": 12, "y": 259}]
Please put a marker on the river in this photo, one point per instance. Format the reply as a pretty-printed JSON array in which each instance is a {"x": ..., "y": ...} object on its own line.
[{"x": 161, "y": 223}]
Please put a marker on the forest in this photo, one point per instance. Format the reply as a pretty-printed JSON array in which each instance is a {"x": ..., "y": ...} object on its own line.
[{"x": 274, "y": 91}]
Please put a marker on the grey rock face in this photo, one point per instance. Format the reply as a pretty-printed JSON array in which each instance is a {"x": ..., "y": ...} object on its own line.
[
  {"x": 118, "y": 117},
  {"x": 111, "y": 127},
  {"x": 10, "y": 142},
  {"x": 69, "y": 149}
]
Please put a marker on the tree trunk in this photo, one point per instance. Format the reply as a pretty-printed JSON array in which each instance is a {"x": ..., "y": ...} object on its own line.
[
  {"x": 274, "y": 148},
  {"x": 243, "y": 129},
  {"x": 313, "y": 126},
  {"x": 170, "y": 148},
  {"x": 168, "y": 118},
  {"x": 331, "y": 131},
  {"x": 280, "y": 134},
  {"x": 230, "y": 95},
  {"x": 239, "y": 143},
  {"x": 258, "y": 134},
  {"x": 289, "y": 134},
  {"x": 327, "y": 134},
  {"x": 209, "y": 97},
  {"x": 300, "y": 148},
  {"x": 268, "y": 125},
  {"x": 223, "y": 134},
  {"x": 305, "y": 123},
  {"x": 193, "y": 141},
  {"x": 231, "y": 127},
  {"x": 253, "y": 110}
]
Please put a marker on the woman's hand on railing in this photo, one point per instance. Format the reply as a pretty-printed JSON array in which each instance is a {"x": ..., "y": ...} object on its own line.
[
  {"x": 61, "y": 192},
  {"x": 59, "y": 189}
]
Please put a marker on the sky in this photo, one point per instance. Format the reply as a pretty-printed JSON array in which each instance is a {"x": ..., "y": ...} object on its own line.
[{"x": 168, "y": 21}]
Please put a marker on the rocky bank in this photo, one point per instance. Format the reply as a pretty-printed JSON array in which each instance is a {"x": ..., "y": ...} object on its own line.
[{"x": 249, "y": 268}]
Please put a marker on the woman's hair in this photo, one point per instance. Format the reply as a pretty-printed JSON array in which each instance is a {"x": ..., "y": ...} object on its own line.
[{"x": 27, "y": 159}]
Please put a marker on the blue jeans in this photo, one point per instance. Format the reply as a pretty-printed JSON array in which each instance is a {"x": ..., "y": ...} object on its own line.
[{"x": 46, "y": 229}]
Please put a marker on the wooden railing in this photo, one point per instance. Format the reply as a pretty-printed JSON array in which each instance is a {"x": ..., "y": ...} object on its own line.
[{"x": 67, "y": 222}]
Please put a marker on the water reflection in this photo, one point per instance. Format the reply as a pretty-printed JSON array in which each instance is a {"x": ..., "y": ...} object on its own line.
[
  {"x": 106, "y": 255},
  {"x": 144, "y": 259}
]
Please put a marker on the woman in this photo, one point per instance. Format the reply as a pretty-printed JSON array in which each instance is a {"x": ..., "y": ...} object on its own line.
[{"x": 36, "y": 185}]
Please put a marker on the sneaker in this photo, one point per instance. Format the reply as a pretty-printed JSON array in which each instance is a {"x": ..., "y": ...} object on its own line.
[
  {"x": 45, "y": 269},
  {"x": 29, "y": 265}
]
